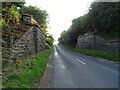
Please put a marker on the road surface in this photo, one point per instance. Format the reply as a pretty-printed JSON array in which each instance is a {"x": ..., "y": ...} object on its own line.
[{"x": 74, "y": 70}]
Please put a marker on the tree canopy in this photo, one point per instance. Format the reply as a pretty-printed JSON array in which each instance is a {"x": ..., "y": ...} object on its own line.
[
  {"x": 12, "y": 12},
  {"x": 102, "y": 16},
  {"x": 41, "y": 16}
]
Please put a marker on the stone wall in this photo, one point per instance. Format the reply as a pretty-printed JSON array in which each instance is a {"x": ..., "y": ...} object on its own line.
[
  {"x": 23, "y": 39},
  {"x": 32, "y": 41},
  {"x": 94, "y": 41}
]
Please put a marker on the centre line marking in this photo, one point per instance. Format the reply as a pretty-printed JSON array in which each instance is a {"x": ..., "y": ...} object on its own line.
[{"x": 80, "y": 61}]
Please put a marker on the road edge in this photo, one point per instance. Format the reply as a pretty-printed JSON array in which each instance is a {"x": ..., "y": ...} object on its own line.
[{"x": 46, "y": 80}]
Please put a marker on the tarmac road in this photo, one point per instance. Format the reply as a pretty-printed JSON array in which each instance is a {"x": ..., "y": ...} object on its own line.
[{"x": 74, "y": 70}]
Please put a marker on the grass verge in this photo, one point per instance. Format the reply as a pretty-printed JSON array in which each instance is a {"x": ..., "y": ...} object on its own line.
[
  {"x": 96, "y": 53},
  {"x": 25, "y": 72}
]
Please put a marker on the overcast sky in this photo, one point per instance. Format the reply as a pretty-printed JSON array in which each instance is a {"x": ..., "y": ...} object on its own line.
[{"x": 61, "y": 12}]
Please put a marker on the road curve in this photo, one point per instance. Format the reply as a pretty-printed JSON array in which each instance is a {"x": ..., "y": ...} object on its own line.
[{"x": 74, "y": 70}]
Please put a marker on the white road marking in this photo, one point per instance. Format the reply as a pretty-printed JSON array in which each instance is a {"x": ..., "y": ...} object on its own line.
[{"x": 80, "y": 61}]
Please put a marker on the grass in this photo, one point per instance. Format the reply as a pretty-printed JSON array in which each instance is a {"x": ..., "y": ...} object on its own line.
[
  {"x": 95, "y": 53},
  {"x": 25, "y": 72}
]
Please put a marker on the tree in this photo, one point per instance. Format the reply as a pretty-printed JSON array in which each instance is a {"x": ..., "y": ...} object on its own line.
[
  {"x": 11, "y": 11},
  {"x": 50, "y": 40},
  {"x": 104, "y": 17},
  {"x": 39, "y": 15},
  {"x": 77, "y": 28}
]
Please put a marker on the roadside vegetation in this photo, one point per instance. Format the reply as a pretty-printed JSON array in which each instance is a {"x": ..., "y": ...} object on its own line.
[
  {"x": 96, "y": 53},
  {"x": 20, "y": 72},
  {"x": 12, "y": 16},
  {"x": 26, "y": 70},
  {"x": 103, "y": 18}
]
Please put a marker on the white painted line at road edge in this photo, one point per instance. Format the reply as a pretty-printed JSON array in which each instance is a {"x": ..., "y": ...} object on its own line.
[{"x": 80, "y": 61}]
